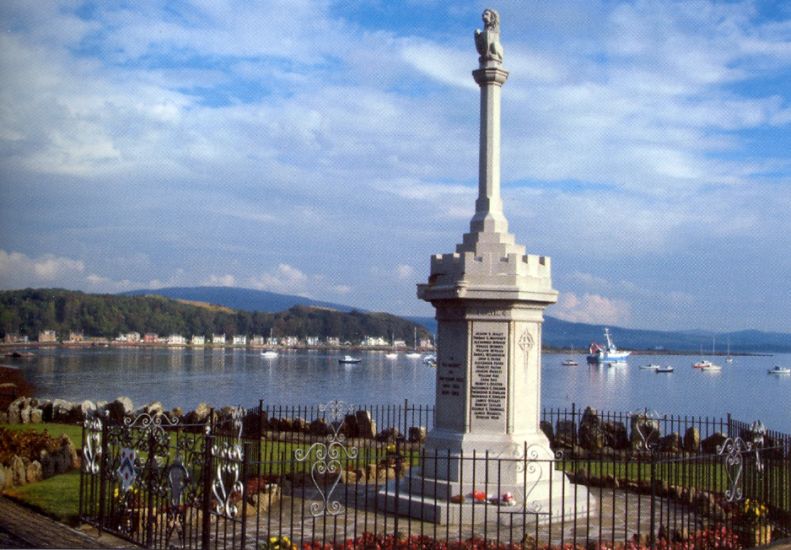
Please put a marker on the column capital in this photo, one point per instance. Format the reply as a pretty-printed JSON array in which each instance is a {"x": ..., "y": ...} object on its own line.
[{"x": 490, "y": 75}]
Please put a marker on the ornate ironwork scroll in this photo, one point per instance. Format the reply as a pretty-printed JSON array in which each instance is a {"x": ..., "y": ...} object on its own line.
[
  {"x": 92, "y": 450},
  {"x": 534, "y": 472},
  {"x": 732, "y": 449},
  {"x": 758, "y": 431},
  {"x": 228, "y": 489},
  {"x": 645, "y": 423},
  {"x": 326, "y": 458}
]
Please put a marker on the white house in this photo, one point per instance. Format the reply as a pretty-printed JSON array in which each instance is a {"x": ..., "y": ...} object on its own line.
[
  {"x": 218, "y": 339},
  {"x": 239, "y": 340},
  {"x": 176, "y": 340}
]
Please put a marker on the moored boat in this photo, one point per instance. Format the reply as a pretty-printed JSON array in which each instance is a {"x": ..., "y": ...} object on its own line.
[
  {"x": 665, "y": 369},
  {"x": 349, "y": 360},
  {"x": 777, "y": 369},
  {"x": 607, "y": 353},
  {"x": 569, "y": 363},
  {"x": 650, "y": 366},
  {"x": 711, "y": 367},
  {"x": 414, "y": 354},
  {"x": 269, "y": 354}
]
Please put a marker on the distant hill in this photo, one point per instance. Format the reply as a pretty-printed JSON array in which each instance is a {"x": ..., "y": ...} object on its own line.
[
  {"x": 557, "y": 333},
  {"x": 30, "y": 311},
  {"x": 245, "y": 299}
]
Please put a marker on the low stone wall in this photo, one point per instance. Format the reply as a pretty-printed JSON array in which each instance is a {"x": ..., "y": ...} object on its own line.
[
  {"x": 633, "y": 435},
  {"x": 27, "y": 457}
]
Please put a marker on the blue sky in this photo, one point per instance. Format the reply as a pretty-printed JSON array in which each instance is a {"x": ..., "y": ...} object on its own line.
[{"x": 329, "y": 148}]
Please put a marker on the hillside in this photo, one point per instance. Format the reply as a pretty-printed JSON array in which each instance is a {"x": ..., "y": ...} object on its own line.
[
  {"x": 28, "y": 312},
  {"x": 243, "y": 299},
  {"x": 557, "y": 333}
]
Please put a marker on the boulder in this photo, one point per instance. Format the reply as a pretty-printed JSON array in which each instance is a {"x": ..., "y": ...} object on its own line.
[
  {"x": 710, "y": 444},
  {"x": 3, "y": 417},
  {"x": 18, "y": 471},
  {"x": 591, "y": 432},
  {"x": 34, "y": 472},
  {"x": 19, "y": 407},
  {"x": 389, "y": 435},
  {"x": 8, "y": 477},
  {"x": 36, "y": 416},
  {"x": 319, "y": 427},
  {"x": 565, "y": 433},
  {"x": 692, "y": 440},
  {"x": 62, "y": 411},
  {"x": 46, "y": 409},
  {"x": 366, "y": 426},
  {"x": 299, "y": 425},
  {"x": 199, "y": 416},
  {"x": 616, "y": 435},
  {"x": 251, "y": 423},
  {"x": 154, "y": 408},
  {"x": 47, "y": 464},
  {"x": 119, "y": 408},
  {"x": 72, "y": 459},
  {"x": 645, "y": 432},
  {"x": 349, "y": 427},
  {"x": 417, "y": 434},
  {"x": 670, "y": 443}
]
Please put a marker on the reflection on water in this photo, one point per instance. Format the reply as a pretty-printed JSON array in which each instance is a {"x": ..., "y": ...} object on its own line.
[{"x": 185, "y": 377}]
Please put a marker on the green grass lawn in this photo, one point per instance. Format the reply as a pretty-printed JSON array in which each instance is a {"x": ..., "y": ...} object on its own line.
[{"x": 58, "y": 496}]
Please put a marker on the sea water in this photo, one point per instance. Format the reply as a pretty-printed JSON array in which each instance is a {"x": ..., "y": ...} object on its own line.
[{"x": 184, "y": 377}]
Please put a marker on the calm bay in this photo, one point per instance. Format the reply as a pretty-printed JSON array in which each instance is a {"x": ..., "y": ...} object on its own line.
[{"x": 185, "y": 377}]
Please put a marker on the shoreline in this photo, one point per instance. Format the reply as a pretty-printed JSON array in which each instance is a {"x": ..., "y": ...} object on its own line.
[{"x": 16, "y": 346}]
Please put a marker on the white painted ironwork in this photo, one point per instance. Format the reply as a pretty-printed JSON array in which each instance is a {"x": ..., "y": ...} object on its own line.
[
  {"x": 151, "y": 424},
  {"x": 228, "y": 456},
  {"x": 731, "y": 450},
  {"x": 534, "y": 471},
  {"x": 326, "y": 459},
  {"x": 92, "y": 450},
  {"x": 758, "y": 431},
  {"x": 648, "y": 420}
]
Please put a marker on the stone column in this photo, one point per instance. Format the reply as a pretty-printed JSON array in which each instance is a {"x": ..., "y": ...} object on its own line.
[{"x": 489, "y": 297}]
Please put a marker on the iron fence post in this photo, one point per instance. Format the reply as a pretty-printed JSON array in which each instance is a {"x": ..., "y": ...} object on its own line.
[
  {"x": 206, "y": 473},
  {"x": 652, "y": 527},
  {"x": 406, "y": 414},
  {"x": 150, "y": 465},
  {"x": 82, "y": 472},
  {"x": 397, "y": 467},
  {"x": 104, "y": 463}
]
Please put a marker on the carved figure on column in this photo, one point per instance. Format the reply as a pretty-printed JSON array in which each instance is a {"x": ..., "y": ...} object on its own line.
[{"x": 488, "y": 41}]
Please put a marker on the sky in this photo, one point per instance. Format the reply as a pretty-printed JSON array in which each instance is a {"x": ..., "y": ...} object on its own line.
[{"x": 328, "y": 149}]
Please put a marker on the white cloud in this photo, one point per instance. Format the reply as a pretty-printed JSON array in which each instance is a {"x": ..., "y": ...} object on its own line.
[
  {"x": 19, "y": 270},
  {"x": 284, "y": 278},
  {"x": 220, "y": 280},
  {"x": 591, "y": 308},
  {"x": 404, "y": 272}
]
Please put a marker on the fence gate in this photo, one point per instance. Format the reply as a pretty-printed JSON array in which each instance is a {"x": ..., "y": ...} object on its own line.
[{"x": 162, "y": 484}]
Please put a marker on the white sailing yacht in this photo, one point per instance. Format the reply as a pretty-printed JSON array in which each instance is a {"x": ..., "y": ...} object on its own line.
[{"x": 414, "y": 354}]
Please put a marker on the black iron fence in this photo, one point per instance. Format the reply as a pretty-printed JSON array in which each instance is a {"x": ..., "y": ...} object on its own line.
[{"x": 335, "y": 476}]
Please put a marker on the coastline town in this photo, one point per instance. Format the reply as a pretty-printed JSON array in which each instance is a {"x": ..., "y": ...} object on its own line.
[{"x": 133, "y": 339}]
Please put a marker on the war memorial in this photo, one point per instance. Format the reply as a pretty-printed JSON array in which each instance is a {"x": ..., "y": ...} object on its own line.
[
  {"x": 484, "y": 467},
  {"x": 489, "y": 297}
]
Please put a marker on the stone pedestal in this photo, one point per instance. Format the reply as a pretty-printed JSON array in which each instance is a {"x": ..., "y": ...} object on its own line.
[{"x": 489, "y": 297}]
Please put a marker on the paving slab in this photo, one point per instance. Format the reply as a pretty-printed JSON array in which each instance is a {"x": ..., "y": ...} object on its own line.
[{"x": 21, "y": 527}]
